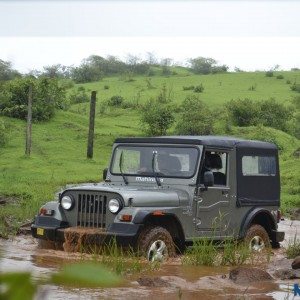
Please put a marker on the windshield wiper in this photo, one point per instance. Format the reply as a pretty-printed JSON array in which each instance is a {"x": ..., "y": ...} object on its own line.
[
  {"x": 121, "y": 168},
  {"x": 153, "y": 169}
]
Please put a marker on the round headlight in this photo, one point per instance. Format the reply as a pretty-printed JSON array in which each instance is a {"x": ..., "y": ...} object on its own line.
[
  {"x": 67, "y": 202},
  {"x": 114, "y": 206}
]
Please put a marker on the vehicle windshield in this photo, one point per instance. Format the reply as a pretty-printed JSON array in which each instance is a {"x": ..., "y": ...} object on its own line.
[{"x": 168, "y": 161}]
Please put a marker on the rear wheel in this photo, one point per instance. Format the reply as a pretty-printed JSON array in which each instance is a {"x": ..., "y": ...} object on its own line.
[
  {"x": 257, "y": 238},
  {"x": 156, "y": 243}
]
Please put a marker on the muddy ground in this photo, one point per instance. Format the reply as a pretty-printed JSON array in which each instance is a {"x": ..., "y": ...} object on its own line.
[{"x": 171, "y": 281}]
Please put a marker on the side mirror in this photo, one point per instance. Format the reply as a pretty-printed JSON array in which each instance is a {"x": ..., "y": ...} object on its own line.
[
  {"x": 208, "y": 179},
  {"x": 105, "y": 173}
]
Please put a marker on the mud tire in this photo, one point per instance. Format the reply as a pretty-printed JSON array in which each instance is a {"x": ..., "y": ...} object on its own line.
[
  {"x": 154, "y": 234},
  {"x": 257, "y": 231}
]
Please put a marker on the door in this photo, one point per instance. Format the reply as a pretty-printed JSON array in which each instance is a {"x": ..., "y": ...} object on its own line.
[{"x": 212, "y": 204}]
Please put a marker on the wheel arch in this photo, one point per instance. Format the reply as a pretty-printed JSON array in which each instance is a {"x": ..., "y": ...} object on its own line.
[
  {"x": 261, "y": 217},
  {"x": 169, "y": 221}
]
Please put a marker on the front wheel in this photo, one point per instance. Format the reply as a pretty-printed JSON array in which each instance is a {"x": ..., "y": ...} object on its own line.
[
  {"x": 257, "y": 238},
  {"x": 156, "y": 244}
]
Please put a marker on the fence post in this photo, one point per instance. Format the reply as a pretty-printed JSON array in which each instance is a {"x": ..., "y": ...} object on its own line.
[
  {"x": 29, "y": 123},
  {"x": 90, "y": 145}
]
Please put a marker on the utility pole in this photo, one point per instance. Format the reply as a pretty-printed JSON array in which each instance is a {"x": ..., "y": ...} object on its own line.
[
  {"x": 29, "y": 123},
  {"x": 90, "y": 145}
]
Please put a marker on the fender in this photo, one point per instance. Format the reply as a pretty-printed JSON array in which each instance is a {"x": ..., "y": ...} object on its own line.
[
  {"x": 143, "y": 216},
  {"x": 251, "y": 215}
]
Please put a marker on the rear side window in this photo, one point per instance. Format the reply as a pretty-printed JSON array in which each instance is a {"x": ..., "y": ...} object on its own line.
[{"x": 259, "y": 165}]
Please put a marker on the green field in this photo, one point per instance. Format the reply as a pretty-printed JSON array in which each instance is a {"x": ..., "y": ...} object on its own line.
[{"x": 59, "y": 146}]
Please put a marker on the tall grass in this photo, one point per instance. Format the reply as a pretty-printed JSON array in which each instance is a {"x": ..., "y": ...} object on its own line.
[{"x": 293, "y": 248}]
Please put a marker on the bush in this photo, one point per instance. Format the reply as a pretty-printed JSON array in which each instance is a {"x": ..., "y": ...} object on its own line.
[
  {"x": 66, "y": 83},
  {"x": 48, "y": 95},
  {"x": 106, "y": 87},
  {"x": 199, "y": 88},
  {"x": 288, "y": 82},
  {"x": 274, "y": 114},
  {"x": 243, "y": 112},
  {"x": 269, "y": 74},
  {"x": 252, "y": 88},
  {"x": 295, "y": 87},
  {"x": 116, "y": 100},
  {"x": 293, "y": 249},
  {"x": 157, "y": 118},
  {"x": 157, "y": 114},
  {"x": 79, "y": 96},
  {"x": 280, "y": 76},
  {"x": 196, "y": 118},
  {"x": 268, "y": 113},
  {"x": 188, "y": 88}
]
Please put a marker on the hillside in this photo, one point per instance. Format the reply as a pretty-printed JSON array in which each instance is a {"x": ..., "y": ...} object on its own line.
[{"x": 59, "y": 146}]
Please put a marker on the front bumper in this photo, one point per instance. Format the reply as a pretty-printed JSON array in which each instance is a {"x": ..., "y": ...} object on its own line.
[{"x": 48, "y": 228}]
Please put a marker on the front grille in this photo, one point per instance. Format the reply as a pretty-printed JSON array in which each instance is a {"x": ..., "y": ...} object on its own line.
[{"x": 91, "y": 210}]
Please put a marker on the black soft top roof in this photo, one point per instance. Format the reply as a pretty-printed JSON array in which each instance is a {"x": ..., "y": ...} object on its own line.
[{"x": 208, "y": 140}]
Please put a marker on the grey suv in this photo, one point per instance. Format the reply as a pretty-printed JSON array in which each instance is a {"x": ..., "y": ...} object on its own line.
[{"x": 161, "y": 193}]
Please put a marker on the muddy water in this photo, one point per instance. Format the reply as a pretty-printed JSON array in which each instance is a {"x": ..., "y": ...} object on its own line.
[{"x": 188, "y": 282}]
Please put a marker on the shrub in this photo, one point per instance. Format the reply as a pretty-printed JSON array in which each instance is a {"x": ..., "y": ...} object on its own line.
[
  {"x": 295, "y": 87},
  {"x": 288, "y": 82},
  {"x": 188, "y": 88},
  {"x": 252, "y": 88},
  {"x": 268, "y": 113},
  {"x": 274, "y": 114},
  {"x": 269, "y": 74},
  {"x": 293, "y": 249},
  {"x": 106, "y": 87},
  {"x": 79, "y": 96},
  {"x": 66, "y": 83},
  {"x": 196, "y": 118},
  {"x": 199, "y": 88},
  {"x": 280, "y": 76},
  {"x": 243, "y": 112},
  {"x": 48, "y": 95},
  {"x": 156, "y": 117},
  {"x": 115, "y": 100}
]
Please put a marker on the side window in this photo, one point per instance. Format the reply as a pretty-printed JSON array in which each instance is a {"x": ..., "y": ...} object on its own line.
[
  {"x": 216, "y": 162},
  {"x": 259, "y": 166}
]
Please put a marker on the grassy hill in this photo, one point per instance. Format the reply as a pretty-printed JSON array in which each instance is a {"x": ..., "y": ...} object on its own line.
[{"x": 59, "y": 146}]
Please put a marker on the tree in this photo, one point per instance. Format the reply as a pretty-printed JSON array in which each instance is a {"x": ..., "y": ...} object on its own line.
[
  {"x": 7, "y": 72},
  {"x": 55, "y": 71},
  {"x": 48, "y": 96},
  {"x": 206, "y": 65},
  {"x": 202, "y": 65},
  {"x": 195, "y": 118}
]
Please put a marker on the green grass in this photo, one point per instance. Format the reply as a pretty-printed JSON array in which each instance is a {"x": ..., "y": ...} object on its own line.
[
  {"x": 218, "y": 88},
  {"x": 59, "y": 146}
]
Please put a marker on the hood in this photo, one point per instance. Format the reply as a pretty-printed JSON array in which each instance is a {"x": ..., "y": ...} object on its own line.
[{"x": 141, "y": 196}]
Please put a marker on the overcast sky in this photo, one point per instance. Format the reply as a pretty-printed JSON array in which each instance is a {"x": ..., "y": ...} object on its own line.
[{"x": 248, "y": 34}]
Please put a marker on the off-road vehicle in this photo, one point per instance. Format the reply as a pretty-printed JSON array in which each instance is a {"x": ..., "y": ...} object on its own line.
[{"x": 160, "y": 194}]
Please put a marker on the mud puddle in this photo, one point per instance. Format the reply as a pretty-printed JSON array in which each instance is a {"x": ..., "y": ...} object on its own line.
[{"x": 171, "y": 281}]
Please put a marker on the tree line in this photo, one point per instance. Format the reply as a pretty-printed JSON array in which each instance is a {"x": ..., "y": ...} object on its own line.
[{"x": 95, "y": 67}]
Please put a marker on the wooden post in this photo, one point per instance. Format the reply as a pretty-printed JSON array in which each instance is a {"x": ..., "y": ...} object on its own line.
[
  {"x": 29, "y": 123},
  {"x": 90, "y": 145}
]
